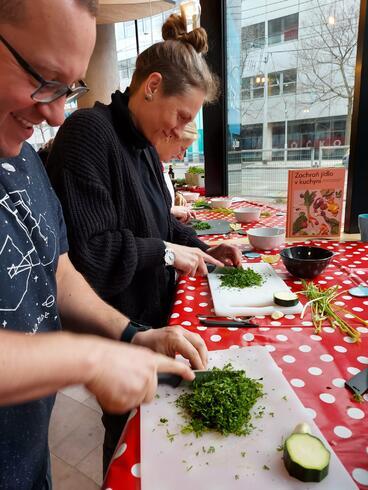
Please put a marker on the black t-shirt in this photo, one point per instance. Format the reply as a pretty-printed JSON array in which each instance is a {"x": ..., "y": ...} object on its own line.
[{"x": 32, "y": 237}]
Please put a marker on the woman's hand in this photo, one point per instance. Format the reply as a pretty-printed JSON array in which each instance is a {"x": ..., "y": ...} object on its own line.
[
  {"x": 191, "y": 260},
  {"x": 180, "y": 199},
  {"x": 228, "y": 254},
  {"x": 182, "y": 213},
  {"x": 175, "y": 340}
]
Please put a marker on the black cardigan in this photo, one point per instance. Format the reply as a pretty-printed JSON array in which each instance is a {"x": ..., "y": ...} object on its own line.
[{"x": 114, "y": 240}]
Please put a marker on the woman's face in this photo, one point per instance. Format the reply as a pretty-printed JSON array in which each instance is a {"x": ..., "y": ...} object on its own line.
[
  {"x": 166, "y": 116},
  {"x": 172, "y": 148}
]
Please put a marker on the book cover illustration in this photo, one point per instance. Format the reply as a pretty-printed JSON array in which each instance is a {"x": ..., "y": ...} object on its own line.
[{"x": 315, "y": 202}]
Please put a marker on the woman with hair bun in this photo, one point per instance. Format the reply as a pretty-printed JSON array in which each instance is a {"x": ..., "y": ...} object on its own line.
[{"x": 108, "y": 176}]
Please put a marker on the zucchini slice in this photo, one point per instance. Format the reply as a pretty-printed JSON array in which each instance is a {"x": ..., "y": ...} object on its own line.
[
  {"x": 306, "y": 458},
  {"x": 285, "y": 298}
]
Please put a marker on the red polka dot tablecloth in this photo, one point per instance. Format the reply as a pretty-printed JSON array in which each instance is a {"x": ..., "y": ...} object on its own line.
[
  {"x": 271, "y": 216},
  {"x": 316, "y": 366}
]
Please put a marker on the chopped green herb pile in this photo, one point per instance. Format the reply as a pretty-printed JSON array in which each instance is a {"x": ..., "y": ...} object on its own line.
[
  {"x": 201, "y": 203},
  {"x": 201, "y": 225},
  {"x": 232, "y": 277},
  {"x": 221, "y": 401}
]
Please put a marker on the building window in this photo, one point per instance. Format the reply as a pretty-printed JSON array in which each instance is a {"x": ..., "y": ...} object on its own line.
[
  {"x": 246, "y": 88},
  {"x": 251, "y": 137},
  {"x": 253, "y": 36},
  {"x": 289, "y": 81},
  {"x": 282, "y": 82},
  {"x": 283, "y": 29},
  {"x": 274, "y": 83}
]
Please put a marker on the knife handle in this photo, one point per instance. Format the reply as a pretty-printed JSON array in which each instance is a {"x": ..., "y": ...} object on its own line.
[{"x": 169, "y": 379}]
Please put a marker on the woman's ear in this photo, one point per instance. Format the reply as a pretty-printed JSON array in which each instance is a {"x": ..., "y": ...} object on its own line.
[{"x": 152, "y": 85}]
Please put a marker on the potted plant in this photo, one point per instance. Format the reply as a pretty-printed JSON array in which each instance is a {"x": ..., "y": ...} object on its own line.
[{"x": 195, "y": 176}]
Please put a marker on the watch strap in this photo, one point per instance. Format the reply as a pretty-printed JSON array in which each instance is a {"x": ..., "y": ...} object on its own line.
[{"x": 131, "y": 329}]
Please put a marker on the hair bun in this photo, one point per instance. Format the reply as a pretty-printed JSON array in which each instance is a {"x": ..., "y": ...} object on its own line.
[
  {"x": 174, "y": 27},
  {"x": 198, "y": 39}
]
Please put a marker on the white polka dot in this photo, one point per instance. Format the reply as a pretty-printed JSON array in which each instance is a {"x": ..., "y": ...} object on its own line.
[
  {"x": 349, "y": 316},
  {"x": 347, "y": 298},
  {"x": 298, "y": 383},
  {"x": 349, "y": 340},
  {"x": 312, "y": 413},
  {"x": 270, "y": 348},
  {"x": 353, "y": 370},
  {"x": 357, "y": 309},
  {"x": 305, "y": 348},
  {"x": 182, "y": 281},
  {"x": 187, "y": 308},
  {"x": 120, "y": 450},
  {"x": 260, "y": 317},
  {"x": 281, "y": 338},
  {"x": 356, "y": 413},
  {"x": 346, "y": 281},
  {"x": 192, "y": 279},
  {"x": 191, "y": 288},
  {"x": 362, "y": 359},
  {"x": 248, "y": 337},
  {"x": 189, "y": 298},
  {"x": 289, "y": 359},
  {"x": 297, "y": 282},
  {"x": 296, "y": 329},
  {"x": 215, "y": 338},
  {"x": 264, "y": 329},
  {"x": 201, "y": 329},
  {"x": 203, "y": 304},
  {"x": 362, "y": 329},
  {"x": 186, "y": 323},
  {"x": 178, "y": 302},
  {"x": 136, "y": 470},
  {"x": 175, "y": 315},
  {"x": 338, "y": 273},
  {"x": 322, "y": 282},
  {"x": 338, "y": 382},
  {"x": 339, "y": 303},
  {"x": 289, "y": 317},
  {"x": 326, "y": 358},
  {"x": 276, "y": 324},
  {"x": 328, "y": 329},
  {"x": 132, "y": 414},
  {"x": 317, "y": 338},
  {"x": 232, "y": 329},
  {"x": 327, "y": 398},
  {"x": 342, "y": 432},
  {"x": 360, "y": 475},
  {"x": 234, "y": 347},
  {"x": 340, "y": 348},
  {"x": 315, "y": 371},
  {"x": 365, "y": 302},
  {"x": 204, "y": 293},
  {"x": 180, "y": 291},
  {"x": 307, "y": 324}
]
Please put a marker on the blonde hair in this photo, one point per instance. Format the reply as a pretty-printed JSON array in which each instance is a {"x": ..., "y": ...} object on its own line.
[
  {"x": 190, "y": 132},
  {"x": 180, "y": 61}
]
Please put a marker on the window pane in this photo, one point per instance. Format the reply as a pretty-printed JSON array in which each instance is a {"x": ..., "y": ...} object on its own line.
[{"x": 299, "y": 116}]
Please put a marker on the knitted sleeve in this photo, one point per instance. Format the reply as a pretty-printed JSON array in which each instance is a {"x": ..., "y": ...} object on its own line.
[
  {"x": 81, "y": 168},
  {"x": 185, "y": 235}
]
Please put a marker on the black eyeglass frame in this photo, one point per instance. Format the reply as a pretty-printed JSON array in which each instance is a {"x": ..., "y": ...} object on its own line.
[{"x": 61, "y": 89}]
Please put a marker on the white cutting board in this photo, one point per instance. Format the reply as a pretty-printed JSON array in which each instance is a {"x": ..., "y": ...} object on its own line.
[
  {"x": 250, "y": 301},
  {"x": 165, "y": 465}
]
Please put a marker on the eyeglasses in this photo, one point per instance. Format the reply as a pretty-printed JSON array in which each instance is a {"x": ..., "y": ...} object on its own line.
[{"x": 49, "y": 90}]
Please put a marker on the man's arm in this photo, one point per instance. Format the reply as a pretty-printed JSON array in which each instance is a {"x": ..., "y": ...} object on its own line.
[
  {"x": 81, "y": 309},
  {"x": 121, "y": 376}
]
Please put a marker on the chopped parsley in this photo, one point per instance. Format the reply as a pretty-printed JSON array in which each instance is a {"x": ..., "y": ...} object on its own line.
[
  {"x": 357, "y": 397},
  {"x": 201, "y": 225},
  {"x": 221, "y": 401},
  {"x": 232, "y": 277},
  {"x": 163, "y": 420},
  {"x": 265, "y": 467}
]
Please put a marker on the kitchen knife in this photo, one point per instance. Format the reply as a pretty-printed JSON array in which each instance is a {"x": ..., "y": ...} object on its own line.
[
  {"x": 176, "y": 380},
  {"x": 228, "y": 323}
]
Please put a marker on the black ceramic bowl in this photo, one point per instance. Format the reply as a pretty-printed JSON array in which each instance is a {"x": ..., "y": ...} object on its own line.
[{"x": 306, "y": 262}]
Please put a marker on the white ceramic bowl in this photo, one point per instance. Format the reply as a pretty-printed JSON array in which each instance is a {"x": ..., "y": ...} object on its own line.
[
  {"x": 220, "y": 202},
  {"x": 190, "y": 196},
  {"x": 266, "y": 238},
  {"x": 247, "y": 215}
]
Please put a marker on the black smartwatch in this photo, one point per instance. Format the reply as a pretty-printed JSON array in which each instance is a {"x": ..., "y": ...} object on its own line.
[{"x": 131, "y": 329}]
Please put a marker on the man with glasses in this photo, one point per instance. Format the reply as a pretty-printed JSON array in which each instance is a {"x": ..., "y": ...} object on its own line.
[{"x": 45, "y": 46}]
